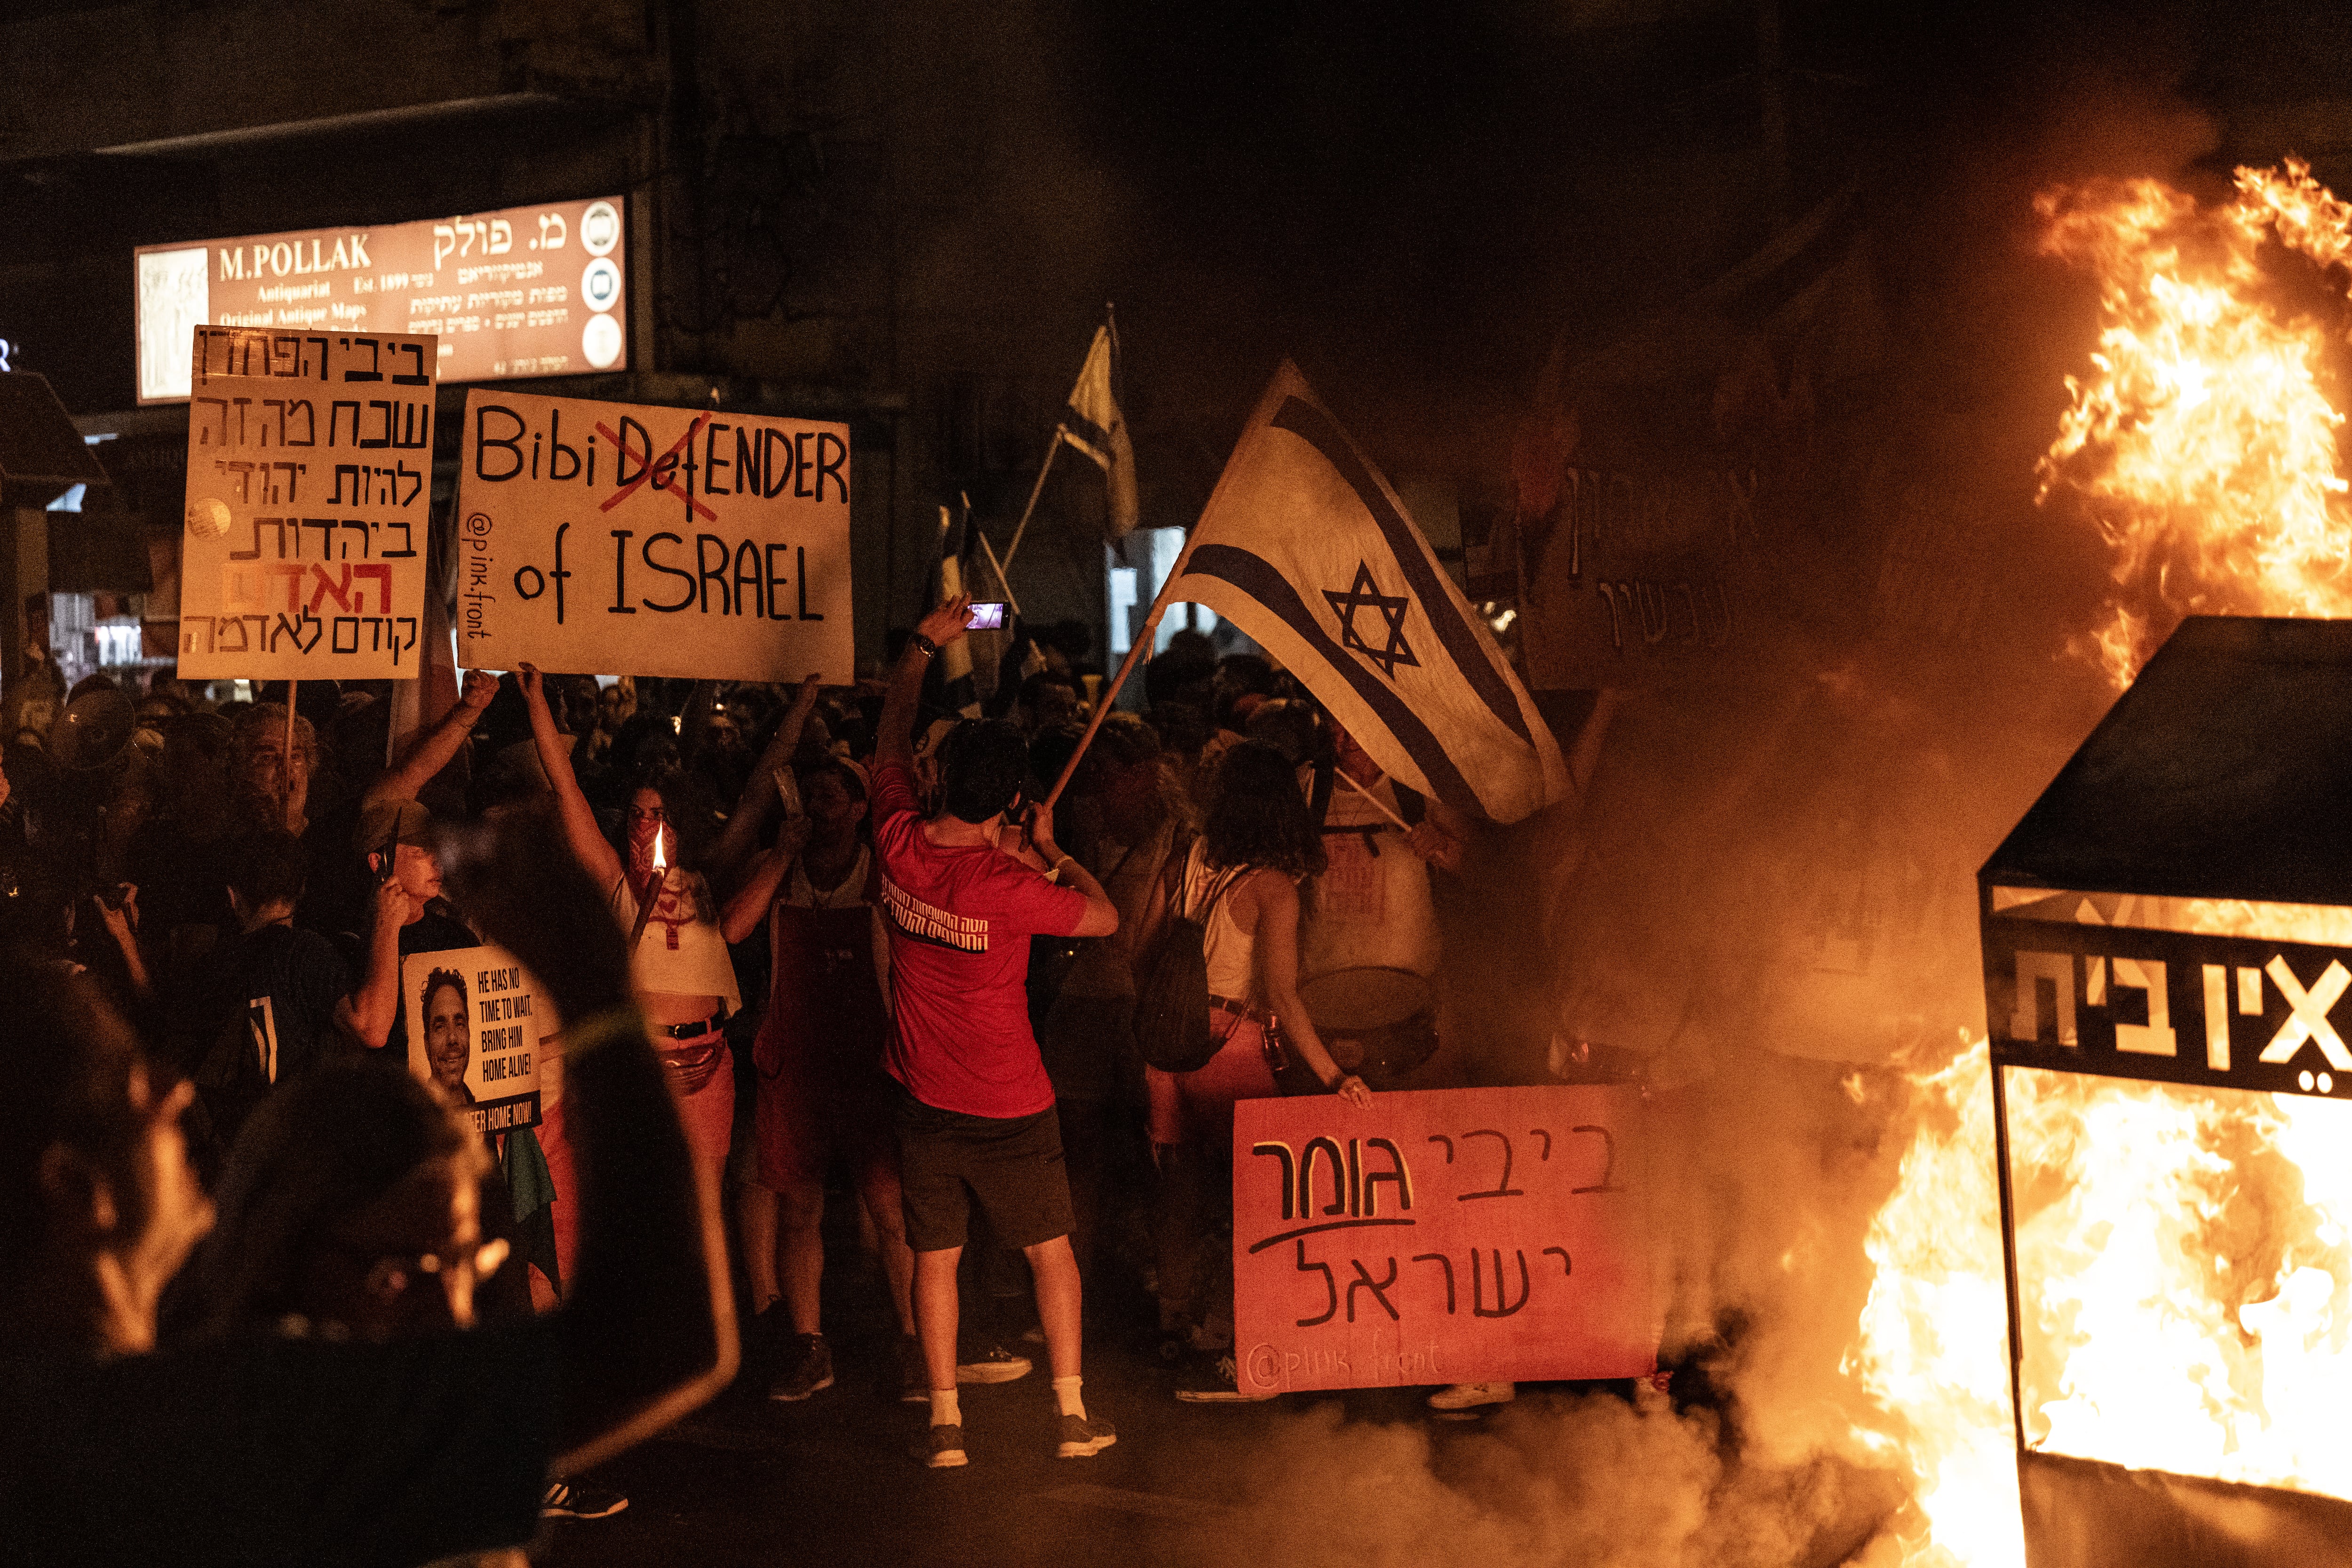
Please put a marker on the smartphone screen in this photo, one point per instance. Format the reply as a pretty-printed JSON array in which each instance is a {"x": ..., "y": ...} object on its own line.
[{"x": 988, "y": 617}]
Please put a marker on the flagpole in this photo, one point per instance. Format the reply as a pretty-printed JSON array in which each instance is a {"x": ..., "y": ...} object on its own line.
[
  {"x": 1035, "y": 491},
  {"x": 1002, "y": 581},
  {"x": 1134, "y": 654},
  {"x": 1377, "y": 803}
]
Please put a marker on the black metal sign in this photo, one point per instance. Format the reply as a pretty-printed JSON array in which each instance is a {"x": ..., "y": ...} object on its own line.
[{"x": 2225, "y": 1011}]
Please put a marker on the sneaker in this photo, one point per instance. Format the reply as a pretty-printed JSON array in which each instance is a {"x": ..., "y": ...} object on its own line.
[
  {"x": 941, "y": 1447},
  {"x": 914, "y": 1377},
  {"x": 1216, "y": 1380},
  {"x": 569, "y": 1499},
  {"x": 994, "y": 1365},
  {"x": 1082, "y": 1438},
  {"x": 1469, "y": 1395},
  {"x": 807, "y": 1368}
]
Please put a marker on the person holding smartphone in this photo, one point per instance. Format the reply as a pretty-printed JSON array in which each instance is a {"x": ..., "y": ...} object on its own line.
[{"x": 962, "y": 893}]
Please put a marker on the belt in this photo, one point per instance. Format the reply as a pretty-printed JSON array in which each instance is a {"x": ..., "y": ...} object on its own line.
[
  {"x": 1239, "y": 1008},
  {"x": 693, "y": 1031}
]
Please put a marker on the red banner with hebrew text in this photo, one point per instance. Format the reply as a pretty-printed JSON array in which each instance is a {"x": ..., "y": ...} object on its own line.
[{"x": 1443, "y": 1236}]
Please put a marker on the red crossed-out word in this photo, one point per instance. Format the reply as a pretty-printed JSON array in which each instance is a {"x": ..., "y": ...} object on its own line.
[{"x": 626, "y": 491}]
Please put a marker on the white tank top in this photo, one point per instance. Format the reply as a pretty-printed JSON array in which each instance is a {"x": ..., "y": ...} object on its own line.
[
  {"x": 1230, "y": 952},
  {"x": 687, "y": 914}
]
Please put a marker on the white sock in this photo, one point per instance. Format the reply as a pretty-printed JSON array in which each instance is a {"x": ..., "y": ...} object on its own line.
[
  {"x": 945, "y": 1410},
  {"x": 1066, "y": 1394}
]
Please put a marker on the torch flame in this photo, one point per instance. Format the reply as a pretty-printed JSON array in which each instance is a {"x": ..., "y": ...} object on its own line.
[
  {"x": 661, "y": 864},
  {"x": 2203, "y": 443}
]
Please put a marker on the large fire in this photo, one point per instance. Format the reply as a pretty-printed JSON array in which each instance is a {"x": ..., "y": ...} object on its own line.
[
  {"x": 2204, "y": 440},
  {"x": 2185, "y": 1258}
]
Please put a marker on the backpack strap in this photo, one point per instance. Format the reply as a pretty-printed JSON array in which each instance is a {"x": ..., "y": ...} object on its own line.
[{"x": 1208, "y": 905}]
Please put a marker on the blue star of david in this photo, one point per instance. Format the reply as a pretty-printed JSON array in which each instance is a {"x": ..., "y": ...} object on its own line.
[{"x": 1365, "y": 595}]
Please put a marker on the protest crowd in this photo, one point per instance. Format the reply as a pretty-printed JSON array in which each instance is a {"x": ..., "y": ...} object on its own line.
[{"x": 837, "y": 928}]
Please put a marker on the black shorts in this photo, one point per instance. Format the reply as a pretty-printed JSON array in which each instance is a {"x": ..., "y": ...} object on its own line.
[{"x": 1011, "y": 1165}]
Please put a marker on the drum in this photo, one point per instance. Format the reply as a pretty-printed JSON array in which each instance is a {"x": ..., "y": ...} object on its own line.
[{"x": 1385, "y": 1019}]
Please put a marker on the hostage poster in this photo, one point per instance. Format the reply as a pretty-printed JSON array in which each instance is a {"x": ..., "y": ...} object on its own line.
[
  {"x": 476, "y": 1024},
  {"x": 604, "y": 537}
]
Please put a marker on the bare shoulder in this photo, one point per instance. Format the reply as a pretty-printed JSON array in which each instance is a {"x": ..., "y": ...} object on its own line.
[{"x": 1263, "y": 892}]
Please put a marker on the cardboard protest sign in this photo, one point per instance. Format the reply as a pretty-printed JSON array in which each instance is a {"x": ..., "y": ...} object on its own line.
[
  {"x": 476, "y": 1024},
  {"x": 309, "y": 483},
  {"x": 1443, "y": 1236},
  {"x": 604, "y": 537}
]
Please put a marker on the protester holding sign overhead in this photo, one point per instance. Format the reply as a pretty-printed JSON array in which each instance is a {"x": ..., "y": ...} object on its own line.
[
  {"x": 677, "y": 541},
  {"x": 679, "y": 964}
]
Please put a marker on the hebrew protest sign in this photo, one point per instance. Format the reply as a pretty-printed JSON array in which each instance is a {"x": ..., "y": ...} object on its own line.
[
  {"x": 476, "y": 1024},
  {"x": 609, "y": 538},
  {"x": 1443, "y": 1236},
  {"x": 309, "y": 483}
]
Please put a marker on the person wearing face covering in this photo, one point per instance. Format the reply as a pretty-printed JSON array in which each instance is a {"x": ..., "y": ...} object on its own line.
[{"x": 680, "y": 967}]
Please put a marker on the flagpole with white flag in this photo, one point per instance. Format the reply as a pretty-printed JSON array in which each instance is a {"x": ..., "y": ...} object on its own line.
[
  {"x": 1091, "y": 423},
  {"x": 1304, "y": 546}
]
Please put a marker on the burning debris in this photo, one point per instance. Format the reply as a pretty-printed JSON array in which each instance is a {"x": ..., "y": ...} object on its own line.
[{"x": 2204, "y": 440}]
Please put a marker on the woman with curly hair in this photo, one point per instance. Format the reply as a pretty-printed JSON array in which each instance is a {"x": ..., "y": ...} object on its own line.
[{"x": 1241, "y": 881}]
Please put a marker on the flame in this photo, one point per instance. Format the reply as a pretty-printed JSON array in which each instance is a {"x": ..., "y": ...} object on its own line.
[
  {"x": 1933, "y": 1347},
  {"x": 2185, "y": 1264},
  {"x": 2204, "y": 443},
  {"x": 661, "y": 864},
  {"x": 2186, "y": 1273},
  {"x": 2184, "y": 1257}
]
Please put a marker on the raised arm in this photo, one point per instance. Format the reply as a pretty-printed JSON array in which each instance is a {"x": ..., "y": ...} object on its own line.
[
  {"x": 589, "y": 847},
  {"x": 1276, "y": 898},
  {"x": 648, "y": 1323},
  {"x": 749, "y": 907},
  {"x": 943, "y": 625},
  {"x": 433, "y": 751},
  {"x": 366, "y": 1015},
  {"x": 751, "y": 813}
]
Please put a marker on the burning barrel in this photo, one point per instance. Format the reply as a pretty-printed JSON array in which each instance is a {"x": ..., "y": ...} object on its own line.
[{"x": 2168, "y": 950}]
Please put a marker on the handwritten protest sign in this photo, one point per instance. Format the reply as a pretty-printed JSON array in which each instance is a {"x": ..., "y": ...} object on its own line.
[
  {"x": 1443, "y": 1236},
  {"x": 476, "y": 1024},
  {"x": 309, "y": 483},
  {"x": 604, "y": 536}
]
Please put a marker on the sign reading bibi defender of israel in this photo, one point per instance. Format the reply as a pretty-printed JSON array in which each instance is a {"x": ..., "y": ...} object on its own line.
[
  {"x": 476, "y": 1024},
  {"x": 597, "y": 537},
  {"x": 309, "y": 485},
  {"x": 1440, "y": 1235}
]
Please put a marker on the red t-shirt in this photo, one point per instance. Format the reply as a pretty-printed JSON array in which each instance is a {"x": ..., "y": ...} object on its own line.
[{"x": 960, "y": 923}]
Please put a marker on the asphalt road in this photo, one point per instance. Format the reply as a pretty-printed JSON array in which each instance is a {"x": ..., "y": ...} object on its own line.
[{"x": 752, "y": 1482}]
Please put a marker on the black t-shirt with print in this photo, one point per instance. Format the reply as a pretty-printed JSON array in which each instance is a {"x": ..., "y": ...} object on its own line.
[{"x": 267, "y": 1016}]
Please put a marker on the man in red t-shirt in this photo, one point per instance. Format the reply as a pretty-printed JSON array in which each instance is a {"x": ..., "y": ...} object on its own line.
[{"x": 963, "y": 893}]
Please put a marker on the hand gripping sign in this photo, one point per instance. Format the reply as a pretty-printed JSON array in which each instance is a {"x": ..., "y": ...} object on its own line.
[
  {"x": 1443, "y": 1236},
  {"x": 612, "y": 538},
  {"x": 309, "y": 484}
]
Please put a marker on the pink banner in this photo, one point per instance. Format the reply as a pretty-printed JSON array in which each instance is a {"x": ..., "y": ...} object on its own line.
[{"x": 1444, "y": 1235}]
